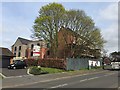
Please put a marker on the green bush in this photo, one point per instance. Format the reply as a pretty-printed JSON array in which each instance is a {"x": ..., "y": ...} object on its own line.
[
  {"x": 35, "y": 70},
  {"x": 98, "y": 67},
  {"x": 31, "y": 62}
]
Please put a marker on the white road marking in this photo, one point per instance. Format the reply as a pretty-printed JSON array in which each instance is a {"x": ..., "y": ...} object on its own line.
[
  {"x": 17, "y": 76},
  {"x": 93, "y": 78},
  {"x": 2, "y": 75},
  {"x": 83, "y": 80},
  {"x": 88, "y": 79},
  {"x": 59, "y": 86}
]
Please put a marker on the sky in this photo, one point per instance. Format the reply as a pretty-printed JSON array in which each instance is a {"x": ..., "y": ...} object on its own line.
[{"x": 17, "y": 19}]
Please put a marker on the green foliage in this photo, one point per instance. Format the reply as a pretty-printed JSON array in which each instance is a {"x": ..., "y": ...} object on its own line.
[
  {"x": 48, "y": 23},
  {"x": 52, "y": 70},
  {"x": 53, "y": 16},
  {"x": 52, "y": 63},
  {"x": 31, "y": 62},
  {"x": 35, "y": 70}
]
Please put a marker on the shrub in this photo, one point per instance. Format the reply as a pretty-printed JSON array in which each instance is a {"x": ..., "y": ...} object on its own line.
[
  {"x": 35, "y": 70},
  {"x": 31, "y": 62},
  {"x": 47, "y": 62},
  {"x": 53, "y": 63}
]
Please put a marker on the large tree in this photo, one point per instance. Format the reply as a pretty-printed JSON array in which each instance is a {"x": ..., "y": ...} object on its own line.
[
  {"x": 87, "y": 35},
  {"x": 53, "y": 16},
  {"x": 47, "y": 24}
]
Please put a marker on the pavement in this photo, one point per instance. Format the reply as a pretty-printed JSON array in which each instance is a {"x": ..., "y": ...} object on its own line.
[
  {"x": 10, "y": 72},
  {"x": 28, "y": 80}
]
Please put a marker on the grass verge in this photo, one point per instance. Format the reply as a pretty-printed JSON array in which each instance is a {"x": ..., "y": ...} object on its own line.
[
  {"x": 44, "y": 70},
  {"x": 52, "y": 70}
]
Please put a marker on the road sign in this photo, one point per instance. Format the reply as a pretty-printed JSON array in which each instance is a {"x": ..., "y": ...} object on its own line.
[{"x": 36, "y": 50}]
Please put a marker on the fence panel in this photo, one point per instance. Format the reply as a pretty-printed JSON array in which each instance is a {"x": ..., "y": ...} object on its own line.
[
  {"x": 76, "y": 63},
  {"x": 79, "y": 63}
]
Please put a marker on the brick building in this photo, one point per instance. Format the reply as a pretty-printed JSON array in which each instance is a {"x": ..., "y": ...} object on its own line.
[
  {"x": 24, "y": 48},
  {"x": 65, "y": 38}
]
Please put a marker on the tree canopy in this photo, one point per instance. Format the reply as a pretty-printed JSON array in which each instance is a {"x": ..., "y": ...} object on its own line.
[{"x": 53, "y": 16}]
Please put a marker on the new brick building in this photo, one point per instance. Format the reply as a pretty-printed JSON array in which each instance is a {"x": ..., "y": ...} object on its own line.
[
  {"x": 24, "y": 48},
  {"x": 65, "y": 38}
]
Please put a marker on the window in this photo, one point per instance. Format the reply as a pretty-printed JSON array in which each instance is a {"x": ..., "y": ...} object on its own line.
[
  {"x": 32, "y": 46},
  {"x": 38, "y": 44},
  {"x": 15, "y": 49},
  {"x": 15, "y": 53},
  {"x": 19, "y": 54},
  {"x": 26, "y": 53},
  {"x": 32, "y": 53},
  {"x": 19, "y": 48}
]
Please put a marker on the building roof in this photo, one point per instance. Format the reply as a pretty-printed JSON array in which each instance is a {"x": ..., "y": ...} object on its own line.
[
  {"x": 24, "y": 41},
  {"x": 5, "y": 52}
]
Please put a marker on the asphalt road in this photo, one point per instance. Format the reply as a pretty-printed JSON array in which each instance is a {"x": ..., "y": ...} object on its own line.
[{"x": 108, "y": 79}]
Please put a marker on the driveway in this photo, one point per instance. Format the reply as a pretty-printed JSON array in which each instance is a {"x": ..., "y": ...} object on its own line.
[{"x": 17, "y": 72}]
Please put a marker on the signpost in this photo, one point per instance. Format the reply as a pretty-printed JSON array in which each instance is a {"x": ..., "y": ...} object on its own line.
[{"x": 36, "y": 50}]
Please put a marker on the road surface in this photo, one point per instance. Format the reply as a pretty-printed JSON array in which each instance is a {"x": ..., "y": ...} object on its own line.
[{"x": 108, "y": 79}]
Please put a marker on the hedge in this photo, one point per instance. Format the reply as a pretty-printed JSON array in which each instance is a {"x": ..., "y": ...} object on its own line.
[{"x": 47, "y": 62}]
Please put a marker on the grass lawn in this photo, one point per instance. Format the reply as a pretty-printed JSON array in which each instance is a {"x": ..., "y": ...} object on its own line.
[
  {"x": 52, "y": 70},
  {"x": 44, "y": 70}
]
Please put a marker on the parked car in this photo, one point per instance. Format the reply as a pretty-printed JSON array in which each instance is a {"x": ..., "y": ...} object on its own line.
[{"x": 17, "y": 64}]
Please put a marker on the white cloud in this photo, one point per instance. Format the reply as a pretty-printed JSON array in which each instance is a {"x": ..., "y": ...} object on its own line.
[
  {"x": 110, "y": 34},
  {"x": 110, "y": 13},
  {"x": 109, "y": 16}
]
